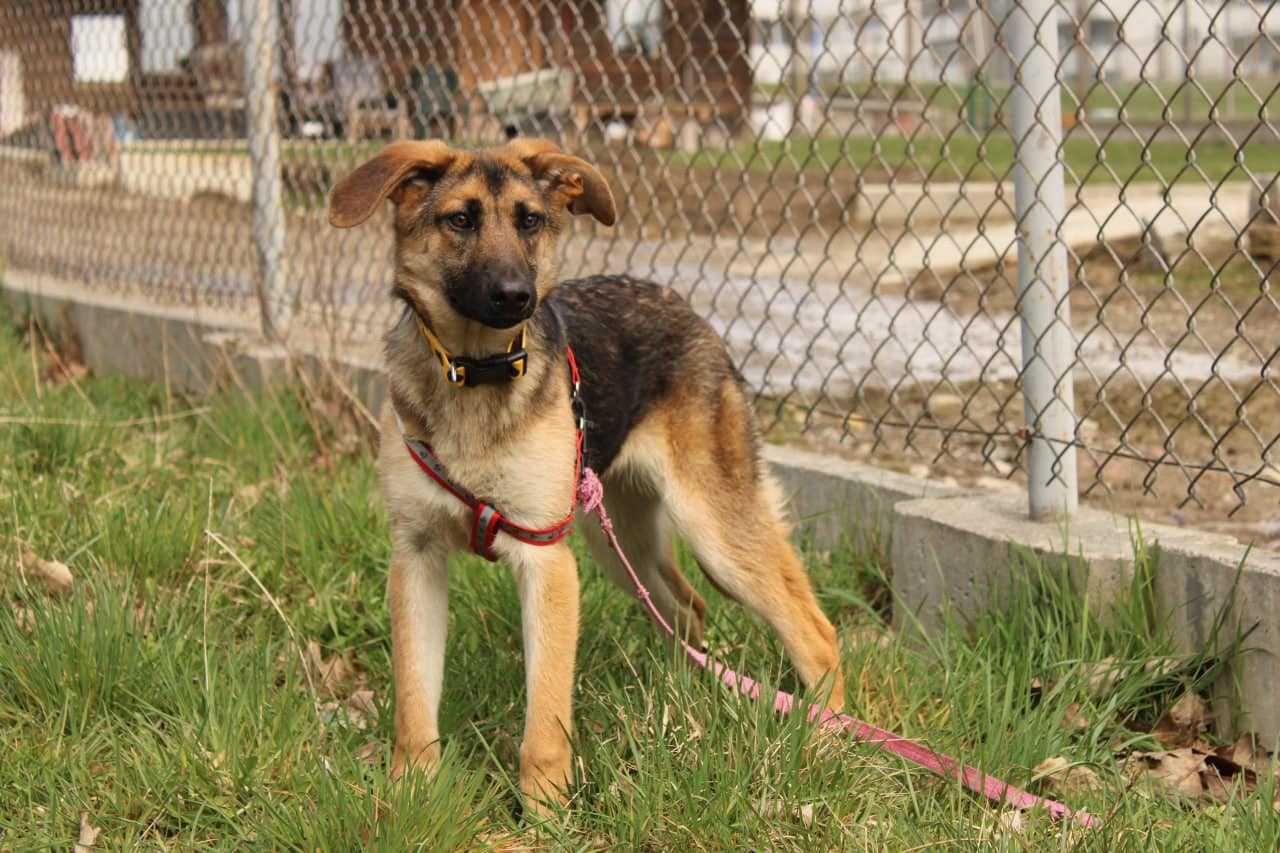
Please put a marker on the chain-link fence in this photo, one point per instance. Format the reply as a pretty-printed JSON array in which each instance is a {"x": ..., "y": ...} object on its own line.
[{"x": 974, "y": 238}]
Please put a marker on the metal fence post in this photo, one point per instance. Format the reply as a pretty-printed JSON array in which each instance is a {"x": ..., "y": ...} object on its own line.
[
  {"x": 1040, "y": 200},
  {"x": 262, "y": 79}
]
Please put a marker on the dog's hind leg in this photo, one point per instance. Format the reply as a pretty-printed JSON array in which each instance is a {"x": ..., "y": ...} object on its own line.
[
  {"x": 646, "y": 538},
  {"x": 726, "y": 506},
  {"x": 746, "y": 554}
]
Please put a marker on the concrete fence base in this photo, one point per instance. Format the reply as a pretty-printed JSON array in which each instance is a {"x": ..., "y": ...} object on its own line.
[{"x": 951, "y": 550}]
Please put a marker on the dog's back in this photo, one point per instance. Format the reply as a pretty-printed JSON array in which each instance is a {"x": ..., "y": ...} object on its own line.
[{"x": 636, "y": 341}]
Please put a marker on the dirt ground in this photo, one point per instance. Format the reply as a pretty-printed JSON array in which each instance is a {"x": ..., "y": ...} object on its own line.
[
  {"x": 1213, "y": 295},
  {"x": 982, "y": 448},
  {"x": 1143, "y": 441}
]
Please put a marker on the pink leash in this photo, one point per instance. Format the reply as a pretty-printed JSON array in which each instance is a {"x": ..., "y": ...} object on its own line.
[{"x": 591, "y": 497}]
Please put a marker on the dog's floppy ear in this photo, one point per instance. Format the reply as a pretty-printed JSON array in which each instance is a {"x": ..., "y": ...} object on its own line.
[
  {"x": 357, "y": 196},
  {"x": 581, "y": 185}
]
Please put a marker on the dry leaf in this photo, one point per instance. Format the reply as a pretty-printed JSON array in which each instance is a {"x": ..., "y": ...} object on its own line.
[
  {"x": 776, "y": 808},
  {"x": 1192, "y": 772},
  {"x": 1216, "y": 787},
  {"x": 362, "y": 701},
  {"x": 56, "y": 577},
  {"x": 1063, "y": 775},
  {"x": 1100, "y": 677},
  {"x": 24, "y": 618},
  {"x": 1073, "y": 720},
  {"x": 1223, "y": 777},
  {"x": 335, "y": 672},
  {"x": 1182, "y": 724},
  {"x": 254, "y": 492},
  {"x": 1178, "y": 770},
  {"x": 370, "y": 753},
  {"x": 1246, "y": 753},
  {"x": 347, "y": 444},
  {"x": 1013, "y": 821},
  {"x": 88, "y": 834},
  {"x": 64, "y": 371},
  {"x": 1243, "y": 752},
  {"x": 869, "y": 635},
  {"x": 360, "y": 707},
  {"x": 505, "y": 842},
  {"x": 1190, "y": 712}
]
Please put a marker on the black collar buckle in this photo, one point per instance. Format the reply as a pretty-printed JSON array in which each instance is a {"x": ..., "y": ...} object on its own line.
[{"x": 490, "y": 369}]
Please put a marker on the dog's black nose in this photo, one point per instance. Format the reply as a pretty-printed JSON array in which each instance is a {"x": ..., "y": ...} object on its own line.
[
  {"x": 510, "y": 295},
  {"x": 510, "y": 301}
]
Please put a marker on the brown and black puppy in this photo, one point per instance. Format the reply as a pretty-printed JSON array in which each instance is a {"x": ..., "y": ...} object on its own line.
[{"x": 670, "y": 432}]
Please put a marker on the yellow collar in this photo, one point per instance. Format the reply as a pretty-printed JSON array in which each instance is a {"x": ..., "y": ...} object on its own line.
[{"x": 469, "y": 372}]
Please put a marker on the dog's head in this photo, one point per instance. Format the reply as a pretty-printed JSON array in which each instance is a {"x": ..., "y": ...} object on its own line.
[{"x": 476, "y": 230}]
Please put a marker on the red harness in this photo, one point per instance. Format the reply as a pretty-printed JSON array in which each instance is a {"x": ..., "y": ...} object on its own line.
[{"x": 486, "y": 519}]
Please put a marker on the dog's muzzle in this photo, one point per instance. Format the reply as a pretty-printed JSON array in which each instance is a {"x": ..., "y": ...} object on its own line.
[{"x": 507, "y": 303}]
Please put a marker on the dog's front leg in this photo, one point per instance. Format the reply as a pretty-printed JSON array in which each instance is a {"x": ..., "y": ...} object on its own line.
[
  {"x": 418, "y": 596},
  {"x": 548, "y": 581}
]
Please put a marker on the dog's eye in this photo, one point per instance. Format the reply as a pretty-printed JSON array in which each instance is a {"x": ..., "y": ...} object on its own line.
[
  {"x": 530, "y": 221},
  {"x": 460, "y": 222}
]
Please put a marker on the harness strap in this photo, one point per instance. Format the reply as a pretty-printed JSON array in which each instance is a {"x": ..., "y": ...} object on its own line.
[
  {"x": 484, "y": 529},
  {"x": 487, "y": 520}
]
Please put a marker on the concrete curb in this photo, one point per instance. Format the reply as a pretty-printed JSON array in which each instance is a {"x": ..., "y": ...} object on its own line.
[
  {"x": 949, "y": 547},
  {"x": 828, "y": 497},
  {"x": 953, "y": 556}
]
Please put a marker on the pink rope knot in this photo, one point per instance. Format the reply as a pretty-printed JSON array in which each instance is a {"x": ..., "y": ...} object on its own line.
[{"x": 590, "y": 491}]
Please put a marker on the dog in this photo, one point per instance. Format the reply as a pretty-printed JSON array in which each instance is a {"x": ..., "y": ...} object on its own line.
[{"x": 478, "y": 379}]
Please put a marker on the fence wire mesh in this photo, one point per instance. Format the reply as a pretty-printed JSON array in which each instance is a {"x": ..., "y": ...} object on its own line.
[{"x": 830, "y": 183}]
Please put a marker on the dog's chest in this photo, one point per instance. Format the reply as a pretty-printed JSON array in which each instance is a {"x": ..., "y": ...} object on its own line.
[{"x": 527, "y": 474}]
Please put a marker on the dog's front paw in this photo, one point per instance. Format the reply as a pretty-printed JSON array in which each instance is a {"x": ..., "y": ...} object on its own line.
[
  {"x": 413, "y": 756},
  {"x": 544, "y": 782},
  {"x": 541, "y": 798}
]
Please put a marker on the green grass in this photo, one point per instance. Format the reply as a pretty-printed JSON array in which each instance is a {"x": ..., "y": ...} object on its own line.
[
  {"x": 164, "y": 697},
  {"x": 1222, "y": 100},
  {"x": 1117, "y": 159}
]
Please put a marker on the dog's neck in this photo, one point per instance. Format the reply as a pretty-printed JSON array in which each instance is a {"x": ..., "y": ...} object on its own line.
[
  {"x": 462, "y": 337},
  {"x": 432, "y": 406},
  {"x": 475, "y": 340}
]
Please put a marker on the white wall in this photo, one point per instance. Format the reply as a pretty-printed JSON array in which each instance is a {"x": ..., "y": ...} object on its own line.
[
  {"x": 317, "y": 35},
  {"x": 1217, "y": 33},
  {"x": 886, "y": 34},
  {"x": 848, "y": 38},
  {"x": 168, "y": 34},
  {"x": 13, "y": 97},
  {"x": 99, "y": 50}
]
